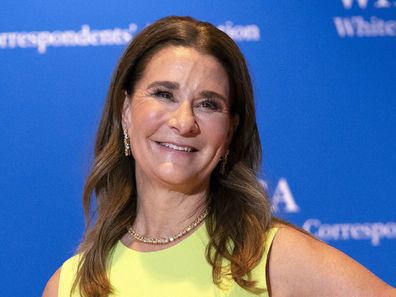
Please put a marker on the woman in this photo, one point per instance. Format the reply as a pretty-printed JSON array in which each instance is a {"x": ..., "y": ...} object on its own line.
[{"x": 179, "y": 209}]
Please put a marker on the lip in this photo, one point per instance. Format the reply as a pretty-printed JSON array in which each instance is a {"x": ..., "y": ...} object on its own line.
[{"x": 176, "y": 147}]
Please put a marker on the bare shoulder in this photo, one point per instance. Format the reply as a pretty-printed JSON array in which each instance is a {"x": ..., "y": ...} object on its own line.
[
  {"x": 300, "y": 265},
  {"x": 51, "y": 289}
]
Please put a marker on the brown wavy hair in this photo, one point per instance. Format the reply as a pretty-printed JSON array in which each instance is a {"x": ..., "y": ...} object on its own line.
[{"x": 238, "y": 206}]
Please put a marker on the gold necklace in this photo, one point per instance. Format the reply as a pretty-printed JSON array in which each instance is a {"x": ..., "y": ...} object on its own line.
[{"x": 165, "y": 240}]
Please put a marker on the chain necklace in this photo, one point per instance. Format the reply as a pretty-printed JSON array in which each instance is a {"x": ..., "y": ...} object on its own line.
[{"x": 165, "y": 240}]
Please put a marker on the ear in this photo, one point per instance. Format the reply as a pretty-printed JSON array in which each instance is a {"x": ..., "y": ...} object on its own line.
[
  {"x": 126, "y": 112},
  {"x": 234, "y": 122}
]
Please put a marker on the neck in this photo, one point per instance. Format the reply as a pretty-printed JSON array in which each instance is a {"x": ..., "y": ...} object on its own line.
[{"x": 163, "y": 212}]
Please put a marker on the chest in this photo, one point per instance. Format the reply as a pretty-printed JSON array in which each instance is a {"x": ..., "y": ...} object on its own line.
[{"x": 181, "y": 271}]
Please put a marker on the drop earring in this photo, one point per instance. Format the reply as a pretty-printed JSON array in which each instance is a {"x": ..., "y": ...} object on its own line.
[
  {"x": 127, "y": 145},
  {"x": 224, "y": 160}
]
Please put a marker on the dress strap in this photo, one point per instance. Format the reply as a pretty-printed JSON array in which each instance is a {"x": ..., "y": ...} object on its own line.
[{"x": 269, "y": 238}]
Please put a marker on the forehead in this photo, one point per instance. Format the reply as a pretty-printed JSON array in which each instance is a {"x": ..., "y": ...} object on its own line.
[{"x": 186, "y": 65}]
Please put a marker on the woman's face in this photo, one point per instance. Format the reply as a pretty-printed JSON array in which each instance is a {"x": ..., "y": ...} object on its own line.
[{"x": 178, "y": 119}]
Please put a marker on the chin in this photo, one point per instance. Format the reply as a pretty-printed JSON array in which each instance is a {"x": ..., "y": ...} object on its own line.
[
  {"x": 176, "y": 178},
  {"x": 181, "y": 181}
]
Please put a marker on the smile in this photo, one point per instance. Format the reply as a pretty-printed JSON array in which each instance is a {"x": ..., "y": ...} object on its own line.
[{"x": 176, "y": 147}]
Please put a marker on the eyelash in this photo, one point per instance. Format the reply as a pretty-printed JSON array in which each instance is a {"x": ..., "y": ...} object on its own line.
[
  {"x": 210, "y": 103},
  {"x": 206, "y": 103},
  {"x": 160, "y": 94}
]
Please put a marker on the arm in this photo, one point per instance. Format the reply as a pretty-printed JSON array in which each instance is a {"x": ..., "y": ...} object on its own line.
[
  {"x": 51, "y": 289},
  {"x": 300, "y": 265}
]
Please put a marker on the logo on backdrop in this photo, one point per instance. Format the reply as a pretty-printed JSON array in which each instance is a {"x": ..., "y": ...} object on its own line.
[
  {"x": 284, "y": 201},
  {"x": 374, "y": 232},
  {"x": 359, "y": 26},
  {"x": 241, "y": 33},
  {"x": 363, "y": 4},
  {"x": 42, "y": 40}
]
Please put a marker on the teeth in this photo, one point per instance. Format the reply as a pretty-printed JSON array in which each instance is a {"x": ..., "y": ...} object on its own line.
[{"x": 175, "y": 147}]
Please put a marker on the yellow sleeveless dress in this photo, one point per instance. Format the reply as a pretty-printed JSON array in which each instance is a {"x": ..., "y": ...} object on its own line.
[{"x": 181, "y": 270}]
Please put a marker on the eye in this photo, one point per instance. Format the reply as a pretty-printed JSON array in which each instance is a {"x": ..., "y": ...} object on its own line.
[
  {"x": 163, "y": 94},
  {"x": 209, "y": 104}
]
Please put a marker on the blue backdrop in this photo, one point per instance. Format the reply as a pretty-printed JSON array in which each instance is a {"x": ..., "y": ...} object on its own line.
[{"x": 324, "y": 76}]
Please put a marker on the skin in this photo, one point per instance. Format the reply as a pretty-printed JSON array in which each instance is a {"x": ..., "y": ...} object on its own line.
[
  {"x": 183, "y": 101},
  {"x": 300, "y": 265},
  {"x": 172, "y": 183}
]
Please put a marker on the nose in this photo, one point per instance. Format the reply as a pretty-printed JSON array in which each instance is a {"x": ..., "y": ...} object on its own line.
[{"x": 183, "y": 120}]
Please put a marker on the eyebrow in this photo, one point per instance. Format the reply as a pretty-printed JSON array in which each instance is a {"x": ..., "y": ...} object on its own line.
[
  {"x": 172, "y": 85},
  {"x": 165, "y": 83},
  {"x": 213, "y": 95}
]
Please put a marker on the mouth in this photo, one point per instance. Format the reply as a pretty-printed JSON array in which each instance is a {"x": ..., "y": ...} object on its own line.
[{"x": 177, "y": 147}]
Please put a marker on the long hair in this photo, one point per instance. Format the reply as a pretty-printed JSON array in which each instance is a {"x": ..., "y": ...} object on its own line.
[{"x": 237, "y": 203}]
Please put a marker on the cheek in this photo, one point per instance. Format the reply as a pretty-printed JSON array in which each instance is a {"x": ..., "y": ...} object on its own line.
[
  {"x": 216, "y": 130},
  {"x": 147, "y": 117}
]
